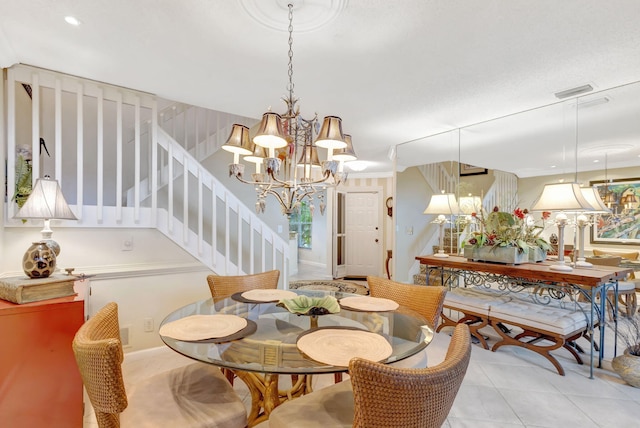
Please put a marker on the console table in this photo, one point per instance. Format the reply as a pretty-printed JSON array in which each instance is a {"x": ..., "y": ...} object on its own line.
[
  {"x": 40, "y": 384},
  {"x": 589, "y": 282}
]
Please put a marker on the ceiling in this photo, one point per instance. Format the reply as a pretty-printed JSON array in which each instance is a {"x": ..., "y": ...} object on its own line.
[{"x": 394, "y": 71}]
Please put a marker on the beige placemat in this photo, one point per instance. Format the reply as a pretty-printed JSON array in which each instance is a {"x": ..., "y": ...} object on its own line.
[
  {"x": 365, "y": 303},
  {"x": 200, "y": 327},
  {"x": 337, "y": 346},
  {"x": 270, "y": 295}
]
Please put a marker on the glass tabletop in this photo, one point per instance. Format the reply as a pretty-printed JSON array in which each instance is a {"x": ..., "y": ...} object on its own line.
[{"x": 268, "y": 345}]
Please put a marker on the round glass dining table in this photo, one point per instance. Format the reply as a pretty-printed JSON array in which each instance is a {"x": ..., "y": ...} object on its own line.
[{"x": 266, "y": 348}]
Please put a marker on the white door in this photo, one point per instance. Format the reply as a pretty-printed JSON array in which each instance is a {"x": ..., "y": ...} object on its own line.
[
  {"x": 339, "y": 236},
  {"x": 363, "y": 234}
]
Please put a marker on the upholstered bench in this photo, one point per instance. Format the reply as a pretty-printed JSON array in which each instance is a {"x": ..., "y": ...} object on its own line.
[
  {"x": 474, "y": 304},
  {"x": 545, "y": 326}
]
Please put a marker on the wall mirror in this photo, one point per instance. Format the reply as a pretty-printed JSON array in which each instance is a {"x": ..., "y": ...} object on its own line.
[{"x": 585, "y": 139}]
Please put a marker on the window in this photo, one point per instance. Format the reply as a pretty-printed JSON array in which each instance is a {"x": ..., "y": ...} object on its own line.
[{"x": 301, "y": 222}]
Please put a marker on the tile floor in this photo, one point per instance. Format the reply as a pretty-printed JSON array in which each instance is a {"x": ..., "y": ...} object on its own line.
[{"x": 512, "y": 387}]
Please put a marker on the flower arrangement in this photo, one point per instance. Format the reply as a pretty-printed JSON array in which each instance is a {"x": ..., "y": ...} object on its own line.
[{"x": 504, "y": 229}]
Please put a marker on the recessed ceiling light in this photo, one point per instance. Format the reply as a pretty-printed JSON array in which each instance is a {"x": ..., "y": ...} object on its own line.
[
  {"x": 573, "y": 91},
  {"x": 596, "y": 160},
  {"x": 552, "y": 166},
  {"x": 72, "y": 20}
]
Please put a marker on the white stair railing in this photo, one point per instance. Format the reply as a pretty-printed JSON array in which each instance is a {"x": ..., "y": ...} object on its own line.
[
  {"x": 117, "y": 168},
  {"x": 199, "y": 130}
]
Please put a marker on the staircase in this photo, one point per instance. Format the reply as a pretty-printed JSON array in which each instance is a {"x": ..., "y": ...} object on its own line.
[{"x": 147, "y": 171}]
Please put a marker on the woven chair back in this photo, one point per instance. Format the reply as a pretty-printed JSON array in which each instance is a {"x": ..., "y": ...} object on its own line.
[
  {"x": 390, "y": 397},
  {"x": 224, "y": 286},
  {"x": 98, "y": 351},
  {"x": 426, "y": 300}
]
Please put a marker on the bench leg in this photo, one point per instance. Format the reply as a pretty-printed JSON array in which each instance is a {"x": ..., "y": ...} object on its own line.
[
  {"x": 474, "y": 322},
  {"x": 531, "y": 344}
]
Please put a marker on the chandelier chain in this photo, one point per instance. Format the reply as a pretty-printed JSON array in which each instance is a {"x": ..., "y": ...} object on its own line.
[{"x": 290, "y": 88}]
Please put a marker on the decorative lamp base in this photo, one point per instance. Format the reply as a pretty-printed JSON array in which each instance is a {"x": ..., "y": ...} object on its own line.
[
  {"x": 39, "y": 261},
  {"x": 583, "y": 264},
  {"x": 441, "y": 253},
  {"x": 561, "y": 267}
]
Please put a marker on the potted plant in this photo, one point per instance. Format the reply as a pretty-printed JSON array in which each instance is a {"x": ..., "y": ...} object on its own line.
[
  {"x": 627, "y": 365},
  {"x": 506, "y": 238}
]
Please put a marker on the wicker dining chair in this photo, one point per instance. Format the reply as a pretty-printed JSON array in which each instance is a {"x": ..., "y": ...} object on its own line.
[
  {"x": 382, "y": 396},
  {"x": 222, "y": 286},
  {"x": 426, "y": 300},
  {"x": 196, "y": 395}
]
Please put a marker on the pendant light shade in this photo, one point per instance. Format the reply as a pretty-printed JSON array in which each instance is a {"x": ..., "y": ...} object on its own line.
[
  {"x": 258, "y": 155},
  {"x": 309, "y": 157},
  {"x": 270, "y": 132},
  {"x": 331, "y": 136},
  {"x": 238, "y": 141},
  {"x": 347, "y": 153}
]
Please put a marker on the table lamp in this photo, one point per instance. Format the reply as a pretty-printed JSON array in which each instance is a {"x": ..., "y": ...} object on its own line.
[
  {"x": 561, "y": 197},
  {"x": 45, "y": 202},
  {"x": 443, "y": 204},
  {"x": 582, "y": 221}
]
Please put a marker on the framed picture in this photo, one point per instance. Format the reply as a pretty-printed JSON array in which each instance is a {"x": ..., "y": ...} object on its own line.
[
  {"x": 466, "y": 169},
  {"x": 622, "y": 225}
]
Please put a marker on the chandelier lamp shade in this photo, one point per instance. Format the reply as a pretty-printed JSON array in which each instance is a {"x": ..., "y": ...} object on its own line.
[
  {"x": 565, "y": 198},
  {"x": 46, "y": 202},
  {"x": 442, "y": 205},
  {"x": 284, "y": 150}
]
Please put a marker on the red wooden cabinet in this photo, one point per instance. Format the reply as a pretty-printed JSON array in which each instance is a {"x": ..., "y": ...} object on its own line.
[{"x": 40, "y": 385}]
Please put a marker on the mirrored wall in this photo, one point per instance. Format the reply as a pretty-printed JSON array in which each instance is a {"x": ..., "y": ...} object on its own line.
[{"x": 507, "y": 161}]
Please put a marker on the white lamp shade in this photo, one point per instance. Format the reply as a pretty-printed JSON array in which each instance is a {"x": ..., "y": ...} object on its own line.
[
  {"x": 46, "y": 201},
  {"x": 561, "y": 197},
  {"x": 444, "y": 203},
  {"x": 593, "y": 197},
  {"x": 470, "y": 204}
]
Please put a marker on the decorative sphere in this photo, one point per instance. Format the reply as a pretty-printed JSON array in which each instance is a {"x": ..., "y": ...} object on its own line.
[{"x": 39, "y": 261}]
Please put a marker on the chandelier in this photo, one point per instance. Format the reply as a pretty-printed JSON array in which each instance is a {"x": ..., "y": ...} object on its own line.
[{"x": 284, "y": 148}]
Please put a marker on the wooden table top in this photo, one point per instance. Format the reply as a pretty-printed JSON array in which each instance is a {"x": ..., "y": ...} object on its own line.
[{"x": 592, "y": 276}]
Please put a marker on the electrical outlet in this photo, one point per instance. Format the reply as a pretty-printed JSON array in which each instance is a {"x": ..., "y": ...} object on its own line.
[
  {"x": 148, "y": 325},
  {"x": 127, "y": 244}
]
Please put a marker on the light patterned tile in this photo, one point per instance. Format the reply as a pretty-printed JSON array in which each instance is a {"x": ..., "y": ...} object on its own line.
[
  {"x": 544, "y": 409},
  {"x": 474, "y": 423},
  {"x": 482, "y": 403},
  {"x": 608, "y": 412}
]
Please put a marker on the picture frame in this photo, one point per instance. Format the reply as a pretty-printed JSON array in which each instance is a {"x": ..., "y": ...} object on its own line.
[
  {"x": 466, "y": 169},
  {"x": 622, "y": 225}
]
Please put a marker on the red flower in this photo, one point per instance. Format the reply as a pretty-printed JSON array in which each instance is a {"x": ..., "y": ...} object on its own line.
[
  {"x": 518, "y": 213},
  {"x": 474, "y": 215},
  {"x": 496, "y": 209},
  {"x": 546, "y": 215}
]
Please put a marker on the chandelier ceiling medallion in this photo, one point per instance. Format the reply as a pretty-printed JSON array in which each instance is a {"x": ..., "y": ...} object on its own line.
[{"x": 284, "y": 145}]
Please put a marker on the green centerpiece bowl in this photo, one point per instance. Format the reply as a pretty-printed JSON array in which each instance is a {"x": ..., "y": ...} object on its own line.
[{"x": 305, "y": 305}]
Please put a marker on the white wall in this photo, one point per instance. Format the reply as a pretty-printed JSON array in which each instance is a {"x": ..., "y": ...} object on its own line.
[{"x": 153, "y": 279}]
